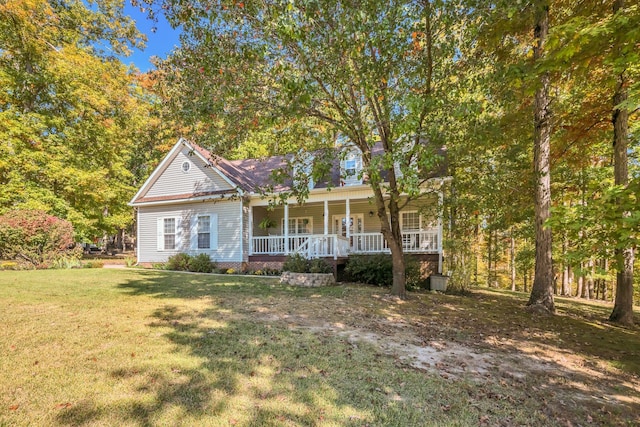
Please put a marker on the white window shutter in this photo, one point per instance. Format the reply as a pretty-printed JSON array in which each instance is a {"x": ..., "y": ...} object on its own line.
[
  {"x": 193, "y": 234},
  {"x": 160, "y": 234},
  {"x": 213, "y": 234},
  {"x": 179, "y": 234}
]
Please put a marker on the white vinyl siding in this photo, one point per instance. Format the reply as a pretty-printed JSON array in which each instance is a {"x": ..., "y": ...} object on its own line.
[
  {"x": 225, "y": 230},
  {"x": 174, "y": 180}
]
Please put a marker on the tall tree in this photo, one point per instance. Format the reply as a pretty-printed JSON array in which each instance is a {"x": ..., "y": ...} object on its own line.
[
  {"x": 67, "y": 136},
  {"x": 542, "y": 289},
  {"x": 598, "y": 42},
  {"x": 373, "y": 72},
  {"x": 623, "y": 308}
]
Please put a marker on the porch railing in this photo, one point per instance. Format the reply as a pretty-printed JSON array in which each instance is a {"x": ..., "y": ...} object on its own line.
[
  {"x": 425, "y": 241},
  {"x": 332, "y": 245}
]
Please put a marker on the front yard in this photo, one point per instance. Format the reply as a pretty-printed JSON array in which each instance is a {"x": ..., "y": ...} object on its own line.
[{"x": 135, "y": 347}]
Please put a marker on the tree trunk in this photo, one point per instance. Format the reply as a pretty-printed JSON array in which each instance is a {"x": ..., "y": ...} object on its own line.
[
  {"x": 392, "y": 234},
  {"x": 490, "y": 258},
  {"x": 495, "y": 259},
  {"x": 623, "y": 306},
  {"x": 605, "y": 285},
  {"x": 477, "y": 250},
  {"x": 566, "y": 289},
  {"x": 542, "y": 289},
  {"x": 579, "y": 290},
  {"x": 399, "y": 278},
  {"x": 589, "y": 287},
  {"x": 512, "y": 254}
]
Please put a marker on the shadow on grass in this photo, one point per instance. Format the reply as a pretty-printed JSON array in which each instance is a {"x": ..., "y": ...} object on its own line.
[
  {"x": 163, "y": 284},
  {"x": 290, "y": 376},
  {"x": 283, "y": 374},
  {"x": 499, "y": 321}
]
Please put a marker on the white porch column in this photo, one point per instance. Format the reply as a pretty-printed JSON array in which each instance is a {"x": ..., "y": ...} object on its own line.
[
  {"x": 326, "y": 217},
  {"x": 250, "y": 230},
  {"x": 286, "y": 229},
  {"x": 348, "y": 218},
  {"x": 440, "y": 213}
]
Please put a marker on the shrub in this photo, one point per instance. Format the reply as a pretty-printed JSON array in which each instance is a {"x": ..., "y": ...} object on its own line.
[
  {"x": 178, "y": 262},
  {"x": 318, "y": 265},
  {"x": 266, "y": 272},
  {"x": 35, "y": 237},
  {"x": 9, "y": 265},
  {"x": 231, "y": 271},
  {"x": 67, "y": 262},
  {"x": 271, "y": 271},
  {"x": 371, "y": 269},
  {"x": 130, "y": 261},
  {"x": 413, "y": 274},
  {"x": 378, "y": 270},
  {"x": 201, "y": 263},
  {"x": 93, "y": 264},
  {"x": 296, "y": 263}
]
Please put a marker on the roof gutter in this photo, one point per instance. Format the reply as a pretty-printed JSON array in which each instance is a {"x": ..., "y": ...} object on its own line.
[{"x": 188, "y": 200}]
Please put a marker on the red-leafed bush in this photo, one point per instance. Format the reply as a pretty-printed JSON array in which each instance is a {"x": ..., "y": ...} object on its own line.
[{"x": 34, "y": 238}]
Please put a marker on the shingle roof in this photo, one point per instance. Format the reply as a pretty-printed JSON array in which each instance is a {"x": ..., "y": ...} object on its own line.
[{"x": 254, "y": 175}]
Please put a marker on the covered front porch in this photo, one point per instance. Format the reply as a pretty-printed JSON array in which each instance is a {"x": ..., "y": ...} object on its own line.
[{"x": 336, "y": 229}]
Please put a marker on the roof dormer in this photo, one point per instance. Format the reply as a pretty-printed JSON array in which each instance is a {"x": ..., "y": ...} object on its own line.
[{"x": 351, "y": 166}]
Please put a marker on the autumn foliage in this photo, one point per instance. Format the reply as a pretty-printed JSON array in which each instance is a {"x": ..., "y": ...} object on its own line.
[{"x": 34, "y": 237}]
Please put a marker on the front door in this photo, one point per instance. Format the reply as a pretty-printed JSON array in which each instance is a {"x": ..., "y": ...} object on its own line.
[{"x": 356, "y": 226}]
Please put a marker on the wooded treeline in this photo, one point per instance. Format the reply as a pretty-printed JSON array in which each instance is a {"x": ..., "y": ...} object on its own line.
[
  {"x": 79, "y": 131},
  {"x": 537, "y": 103}
]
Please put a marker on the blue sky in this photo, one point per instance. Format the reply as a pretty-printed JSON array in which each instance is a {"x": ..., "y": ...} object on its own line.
[{"x": 159, "y": 43}]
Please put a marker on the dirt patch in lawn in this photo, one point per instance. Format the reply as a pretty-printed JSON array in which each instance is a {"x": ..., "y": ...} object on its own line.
[{"x": 573, "y": 359}]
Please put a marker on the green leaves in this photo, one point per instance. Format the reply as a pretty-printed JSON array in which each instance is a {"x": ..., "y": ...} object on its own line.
[{"x": 69, "y": 113}]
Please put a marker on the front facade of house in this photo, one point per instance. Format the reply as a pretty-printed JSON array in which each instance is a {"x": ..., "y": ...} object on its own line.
[{"x": 196, "y": 204}]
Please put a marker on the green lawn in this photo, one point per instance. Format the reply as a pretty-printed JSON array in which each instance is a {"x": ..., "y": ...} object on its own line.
[{"x": 136, "y": 347}]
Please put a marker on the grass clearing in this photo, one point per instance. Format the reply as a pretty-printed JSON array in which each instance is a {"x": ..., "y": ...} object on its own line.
[{"x": 136, "y": 347}]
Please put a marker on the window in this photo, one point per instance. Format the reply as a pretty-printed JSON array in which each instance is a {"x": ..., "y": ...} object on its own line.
[
  {"x": 167, "y": 234},
  {"x": 411, "y": 221},
  {"x": 204, "y": 232},
  {"x": 186, "y": 166},
  {"x": 351, "y": 167},
  {"x": 301, "y": 225}
]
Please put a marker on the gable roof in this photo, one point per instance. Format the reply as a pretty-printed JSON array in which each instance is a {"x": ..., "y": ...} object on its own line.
[
  {"x": 248, "y": 175},
  {"x": 146, "y": 196}
]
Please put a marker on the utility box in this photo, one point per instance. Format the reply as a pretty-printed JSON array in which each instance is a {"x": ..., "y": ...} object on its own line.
[{"x": 438, "y": 282}]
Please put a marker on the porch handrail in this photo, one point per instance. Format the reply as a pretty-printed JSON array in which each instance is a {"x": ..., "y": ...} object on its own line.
[
  {"x": 333, "y": 245},
  {"x": 412, "y": 241},
  {"x": 268, "y": 245}
]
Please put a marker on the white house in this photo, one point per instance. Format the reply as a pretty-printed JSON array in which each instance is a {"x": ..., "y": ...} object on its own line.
[{"x": 195, "y": 202}]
